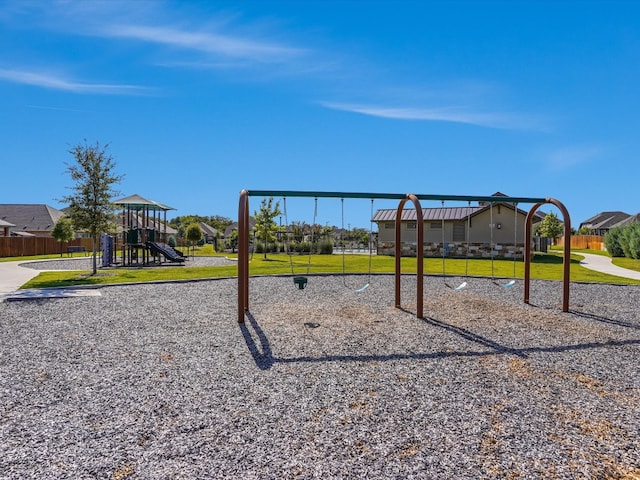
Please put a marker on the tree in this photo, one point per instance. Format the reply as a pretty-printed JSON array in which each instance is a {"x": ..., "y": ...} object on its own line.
[
  {"x": 181, "y": 223},
  {"x": 630, "y": 240},
  {"x": 63, "y": 231},
  {"x": 265, "y": 226},
  {"x": 233, "y": 241},
  {"x": 193, "y": 234},
  {"x": 90, "y": 205},
  {"x": 612, "y": 242},
  {"x": 550, "y": 226}
]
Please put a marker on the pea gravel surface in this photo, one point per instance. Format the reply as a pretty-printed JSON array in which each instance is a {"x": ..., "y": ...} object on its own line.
[{"x": 161, "y": 382}]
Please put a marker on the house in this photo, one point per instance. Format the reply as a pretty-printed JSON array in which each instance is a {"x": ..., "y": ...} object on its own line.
[
  {"x": 136, "y": 222},
  {"x": 29, "y": 219},
  {"x": 601, "y": 223},
  {"x": 630, "y": 219},
  {"x": 488, "y": 229},
  {"x": 228, "y": 232},
  {"x": 210, "y": 234},
  {"x": 5, "y": 227}
]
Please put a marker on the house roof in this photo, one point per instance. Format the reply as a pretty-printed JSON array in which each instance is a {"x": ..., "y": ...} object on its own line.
[
  {"x": 136, "y": 201},
  {"x": 4, "y": 223},
  {"x": 630, "y": 219},
  {"x": 234, "y": 226},
  {"x": 30, "y": 217},
  {"x": 429, "y": 214},
  {"x": 21, "y": 234},
  {"x": 605, "y": 220},
  {"x": 438, "y": 214},
  {"x": 208, "y": 230}
]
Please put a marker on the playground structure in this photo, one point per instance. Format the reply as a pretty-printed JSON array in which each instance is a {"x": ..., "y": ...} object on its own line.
[
  {"x": 243, "y": 237},
  {"x": 144, "y": 233}
]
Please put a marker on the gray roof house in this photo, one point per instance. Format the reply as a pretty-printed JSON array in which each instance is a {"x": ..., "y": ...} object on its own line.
[
  {"x": 30, "y": 219},
  {"x": 234, "y": 227},
  {"x": 630, "y": 219},
  {"x": 601, "y": 223},
  {"x": 5, "y": 227},
  {"x": 497, "y": 226},
  {"x": 209, "y": 233}
]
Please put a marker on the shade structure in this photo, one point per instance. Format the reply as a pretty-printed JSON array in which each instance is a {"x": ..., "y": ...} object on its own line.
[{"x": 136, "y": 201}]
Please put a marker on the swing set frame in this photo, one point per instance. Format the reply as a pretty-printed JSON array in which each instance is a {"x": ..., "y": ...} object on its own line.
[{"x": 243, "y": 237}]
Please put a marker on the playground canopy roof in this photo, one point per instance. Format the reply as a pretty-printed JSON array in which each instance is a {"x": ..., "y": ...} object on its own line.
[{"x": 136, "y": 201}]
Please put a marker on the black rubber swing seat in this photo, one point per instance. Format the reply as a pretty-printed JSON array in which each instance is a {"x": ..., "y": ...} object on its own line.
[{"x": 301, "y": 282}]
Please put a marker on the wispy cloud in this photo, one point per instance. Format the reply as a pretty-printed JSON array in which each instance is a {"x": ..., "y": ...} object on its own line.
[
  {"x": 442, "y": 114},
  {"x": 569, "y": 157},
  {"x": 58, "y": 82},
  {"x": 218, "y": 44}
]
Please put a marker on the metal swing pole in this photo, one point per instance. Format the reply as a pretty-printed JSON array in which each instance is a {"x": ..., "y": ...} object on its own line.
[{"x": 493, "y": 278}]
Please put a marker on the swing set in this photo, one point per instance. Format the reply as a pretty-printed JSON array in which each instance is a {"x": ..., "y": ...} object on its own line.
[
  {"x": 301, "y": 281},
  {"x": 344, "y": 268},
  {"x": 492, "y": 245}
]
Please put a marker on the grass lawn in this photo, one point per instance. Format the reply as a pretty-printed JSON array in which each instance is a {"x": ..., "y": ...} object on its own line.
[
  {"x": 545, "y": 267},
  {"x": 630, "y": 263}
]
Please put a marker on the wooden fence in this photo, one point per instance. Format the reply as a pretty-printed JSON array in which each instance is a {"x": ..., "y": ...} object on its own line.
[
  {"x": 592, "y": 242},
  {"x": 26, "y": 246}
]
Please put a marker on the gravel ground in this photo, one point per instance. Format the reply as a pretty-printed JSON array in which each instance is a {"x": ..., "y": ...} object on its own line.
[{"x": 160, "y": 382}]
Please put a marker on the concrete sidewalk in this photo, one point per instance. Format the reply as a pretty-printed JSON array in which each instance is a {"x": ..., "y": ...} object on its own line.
[
  {"x": 13, "y": 276},
  {"x": 601, "y": 263}
]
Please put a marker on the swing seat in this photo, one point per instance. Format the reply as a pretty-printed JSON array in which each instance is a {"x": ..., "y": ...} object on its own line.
[
  {"x": 462, "y": 286},
  {"x": 363, "y": 288},
  {"x": 510, "y": 283},
  {"x": 301, "y": 282}
]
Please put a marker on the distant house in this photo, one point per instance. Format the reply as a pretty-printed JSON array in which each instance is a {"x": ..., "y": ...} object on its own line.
[
  {"x": 29, "y": 219},
  {"x": 631, "y": 219},
  {"x": 488, "y": 229},
  {"x": 601, "y": 223},
  {"x": 210, "y": 234},
  {"x": 234, "y": 227},
  {"x": 5, "y": 227},
  {"x": 136, "y": 221}
]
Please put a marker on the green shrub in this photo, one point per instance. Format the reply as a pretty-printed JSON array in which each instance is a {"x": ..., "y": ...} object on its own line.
[
  {"x": 172, "y": 241},
  {"x": 303, "y": 247},
  {"x": 612, "y": 242},
  {"x": 632, "y": 233},
  {"x": 325, "y": 247},
  {"x": 625, "y": 235}
]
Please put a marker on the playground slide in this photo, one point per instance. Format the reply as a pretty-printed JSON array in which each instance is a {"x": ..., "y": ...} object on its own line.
[{"x": 166, "y": 251}]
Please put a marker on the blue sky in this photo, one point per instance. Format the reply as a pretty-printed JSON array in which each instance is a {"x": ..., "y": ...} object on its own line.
[{"x": 198, "y": 100}]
